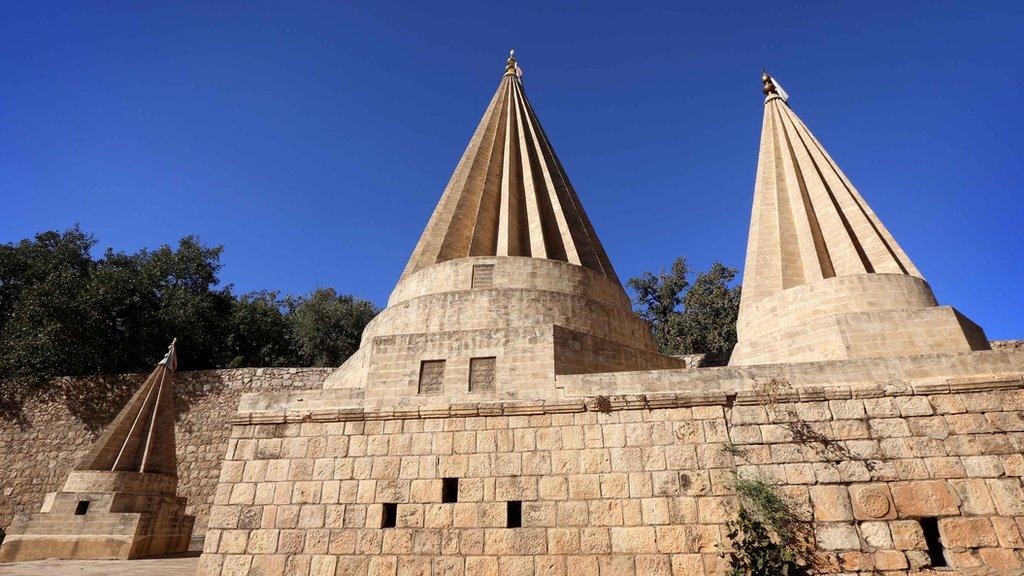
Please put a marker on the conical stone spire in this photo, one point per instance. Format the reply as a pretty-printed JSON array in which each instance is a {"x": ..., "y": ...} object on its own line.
[
  {"x": 824, "y": 279},
  {"x": 508, "y": 285},
  {"x": 509, "y": 195},
  {"x": 141, "y": 437},
  {"x": 808, "y": 221}
]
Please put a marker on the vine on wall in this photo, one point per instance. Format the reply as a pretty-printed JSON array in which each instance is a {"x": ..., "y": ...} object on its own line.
[{"x": 767, "y": 538}]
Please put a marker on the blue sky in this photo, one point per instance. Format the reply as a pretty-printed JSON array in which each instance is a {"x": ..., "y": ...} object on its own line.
[{"x": 313, "y": 140}]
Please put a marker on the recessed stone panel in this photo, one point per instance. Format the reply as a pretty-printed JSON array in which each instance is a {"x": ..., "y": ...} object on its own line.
[
  {"x": 431, "y": 377},
  {"x": 481, "y": 374},
  {"x": 483, "y": 276}
]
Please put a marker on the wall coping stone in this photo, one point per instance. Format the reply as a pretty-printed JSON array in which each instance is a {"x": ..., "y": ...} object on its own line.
[{"x": 617, "y": 402}]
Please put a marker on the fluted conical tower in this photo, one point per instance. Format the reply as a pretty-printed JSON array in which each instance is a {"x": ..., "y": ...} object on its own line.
[
  {"x": 509, "y": 195},
  {"x": 141, "y": 437},
  {"x": 120, "y": 501},
  {"x": 508, "y": 285},
  {"x": 824, "y": 278}
]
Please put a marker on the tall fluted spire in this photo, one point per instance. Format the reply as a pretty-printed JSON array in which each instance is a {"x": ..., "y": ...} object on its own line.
[
  {"x": 141, "y": 437},
  {"x": 509, "y": 195},
  {"x": 808, "y": 220},
  {"x": 824, "y": 279}
]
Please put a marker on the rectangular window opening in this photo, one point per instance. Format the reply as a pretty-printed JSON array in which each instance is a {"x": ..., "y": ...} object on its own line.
[
  {"x": 82, "y": 508},
  {"x": 449, "y": 490},
  {"x": 388, "y": 515},
  {"x": 514, "y": 514},
  {"x": 930, "y": 527}
]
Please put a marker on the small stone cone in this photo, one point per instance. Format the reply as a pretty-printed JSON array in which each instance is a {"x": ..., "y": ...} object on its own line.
[
  {"x": 120, "y": 501},
  {"x": 141, "y": 437}
]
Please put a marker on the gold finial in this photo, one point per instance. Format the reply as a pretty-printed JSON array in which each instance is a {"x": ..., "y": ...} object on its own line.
[
  {"x": 510, "y": 65},
  {"x": 769, "y": 84},
  {"x": 772, "y": 87}
]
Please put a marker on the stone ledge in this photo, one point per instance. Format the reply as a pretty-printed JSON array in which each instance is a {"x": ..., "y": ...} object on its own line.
[{"x": 617, "y": 402}]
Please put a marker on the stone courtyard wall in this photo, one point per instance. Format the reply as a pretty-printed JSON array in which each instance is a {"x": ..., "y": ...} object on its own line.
[
  {"x": 626, "y": 485},
  {"x": 38, "y": 449}
]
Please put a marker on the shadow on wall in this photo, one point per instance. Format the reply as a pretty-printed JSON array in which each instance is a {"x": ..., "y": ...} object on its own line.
[{"x": 96, "y": 400}]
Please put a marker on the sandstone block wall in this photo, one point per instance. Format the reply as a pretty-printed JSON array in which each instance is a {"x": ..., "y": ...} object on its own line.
[
  {"x": 598, "y": 491},
  {"x": 37, "y": 453},
  {"x": 624, "y": 485},
  {"x": 867, "y": 469}
]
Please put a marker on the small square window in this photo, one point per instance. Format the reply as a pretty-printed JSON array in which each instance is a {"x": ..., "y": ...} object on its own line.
[
  {"x": 449, "y": 490},
  {"x": 388, "y": 515},
  {"x": 82, "y": 508},
  {"x": 431, "y": 377}
]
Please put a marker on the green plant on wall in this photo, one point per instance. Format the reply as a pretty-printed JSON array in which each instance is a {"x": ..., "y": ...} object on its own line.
[{"x": 765, "y": 534}]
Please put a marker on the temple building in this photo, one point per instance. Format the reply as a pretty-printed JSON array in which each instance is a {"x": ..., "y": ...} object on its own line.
[
  {"x": 508, "y": 414},
  {"x": 507, "y": 287}
]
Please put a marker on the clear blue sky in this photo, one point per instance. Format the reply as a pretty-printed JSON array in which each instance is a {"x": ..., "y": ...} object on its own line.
[{"x": 313, "y": 140}]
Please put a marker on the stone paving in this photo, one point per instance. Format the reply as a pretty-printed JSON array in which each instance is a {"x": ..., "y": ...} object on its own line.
[{"x": 171, "y": 566}]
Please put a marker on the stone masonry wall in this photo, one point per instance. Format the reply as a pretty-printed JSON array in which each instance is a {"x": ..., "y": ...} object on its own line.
[
  {"x": 625, "y": 485},
  {"x": 867, "y": 469},
  {"x": 37, "y": 452}
]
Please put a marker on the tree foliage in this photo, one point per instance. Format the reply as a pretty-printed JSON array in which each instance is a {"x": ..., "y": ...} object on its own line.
[
  {"x": 65, "y": 313},
  {"x": 697, "y": 318},
  {"x": 326, "y": 326}
]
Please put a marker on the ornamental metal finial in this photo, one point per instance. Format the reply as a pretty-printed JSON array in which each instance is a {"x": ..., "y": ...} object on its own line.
[
  {"x": 769, "y": 84},
  {"x": 510, "y": 65}
]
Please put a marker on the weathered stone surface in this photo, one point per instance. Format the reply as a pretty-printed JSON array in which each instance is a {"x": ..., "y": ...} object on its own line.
[
  {"x": 831, "y": 503},
  {"x": 927, "y": 498},
  {"x": 907, "y": 535},
  {"x": 967, "y": 532},
  {"x": 837, "y": 536}
]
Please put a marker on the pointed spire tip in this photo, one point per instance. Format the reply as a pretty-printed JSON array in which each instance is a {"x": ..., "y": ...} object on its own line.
[
  {"x": 510, "y": 64},
  {"x": 771, "y": 87},
  {"x": 769, "y": 84}
]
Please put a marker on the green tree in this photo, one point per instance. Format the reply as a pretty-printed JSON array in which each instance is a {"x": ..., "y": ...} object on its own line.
[
  {"x": 326, "y": 326},
  {"x": 697, "y": 318},
  {"x": 767, "y": 537},
  {"x": 191, "y": 307},
  {"x": 711, "y": 306},
  {"x": 260, "y": 333},
  {"x": 65, "y": 313},
  {"x": 42, "y": 313}
]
